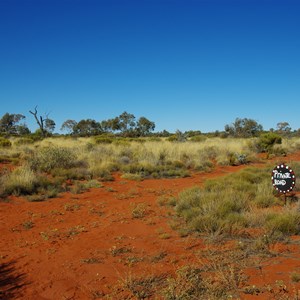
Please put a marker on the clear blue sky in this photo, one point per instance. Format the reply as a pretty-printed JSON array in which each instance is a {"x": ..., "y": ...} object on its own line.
[{"x": 184, "y": 64}]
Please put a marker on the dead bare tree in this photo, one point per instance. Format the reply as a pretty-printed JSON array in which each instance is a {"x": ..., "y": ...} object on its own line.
[{"x": 40, "y": 121}]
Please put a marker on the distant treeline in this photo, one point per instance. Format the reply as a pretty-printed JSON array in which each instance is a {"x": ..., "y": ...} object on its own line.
[{"x": 126, "y": 125}]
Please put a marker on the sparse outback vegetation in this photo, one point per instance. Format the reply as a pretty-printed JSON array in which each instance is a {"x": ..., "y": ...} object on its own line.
[
  {"x": 240, "y": 208},
  {"x": 52, "y": 161},
  {"x": 228, "y": 206}
]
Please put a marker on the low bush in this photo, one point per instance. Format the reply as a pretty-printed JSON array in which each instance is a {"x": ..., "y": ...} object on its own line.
[
  {"x": 172, "y": 138},
  {"x": 286, "y": 223},
  {"x": 266, "y": 141},
  {"x": 49, "y": 158},
  {"x": 36, "y": 187}
]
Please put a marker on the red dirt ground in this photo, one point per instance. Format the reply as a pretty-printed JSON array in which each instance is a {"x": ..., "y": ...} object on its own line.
[{"x": 79, "y": 246}]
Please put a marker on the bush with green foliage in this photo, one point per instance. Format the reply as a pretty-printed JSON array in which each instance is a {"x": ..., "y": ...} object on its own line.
[
  {"x": 286, "y": 223},
  {"x": 243, "y": 128},
  {"x": 47, "y": 159},
  {"x": 266, "y": 141},
  {"x": 172, "y": 138}
]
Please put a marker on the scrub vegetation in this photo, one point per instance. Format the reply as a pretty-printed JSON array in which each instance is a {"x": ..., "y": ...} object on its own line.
[
  {"x": 233, "y": 205},
  {"x": 240, "y": 209},
  {"x": 46, "y": 166}
]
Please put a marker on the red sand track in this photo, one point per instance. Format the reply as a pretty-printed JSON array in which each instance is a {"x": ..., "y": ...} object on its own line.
[{"x": 77, "y": 246}]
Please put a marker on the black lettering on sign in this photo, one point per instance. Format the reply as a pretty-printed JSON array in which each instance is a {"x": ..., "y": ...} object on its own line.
[{"x": 283, "y": 178}]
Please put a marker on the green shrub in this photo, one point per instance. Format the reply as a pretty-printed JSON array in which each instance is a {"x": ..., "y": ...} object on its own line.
[
  {"x": 47, "y": 159},
  {"x": 266, "y": 141},
  {"x": 264, "y": 196},
  {"x": 286, "y": 223},
  {"x": 172, "y": 138},
  {"x": 5, "y": 143}
]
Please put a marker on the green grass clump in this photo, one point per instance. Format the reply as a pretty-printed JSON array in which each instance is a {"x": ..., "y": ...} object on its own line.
[
  {"x": 24, "y": 181},
  {"x": 228, "y": 205},
  {"x": 21, "y": 181},
  {"x": 285, "y": 223}
]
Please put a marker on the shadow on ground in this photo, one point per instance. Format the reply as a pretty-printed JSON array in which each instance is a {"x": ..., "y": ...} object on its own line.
[{"x": 11, "y": 281}]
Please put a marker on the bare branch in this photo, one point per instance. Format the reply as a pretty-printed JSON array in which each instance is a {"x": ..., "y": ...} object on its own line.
[{"x": 40, "y": 121}]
